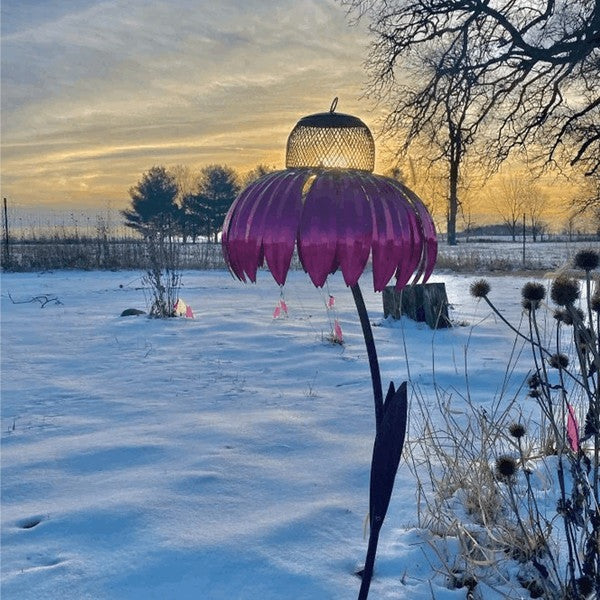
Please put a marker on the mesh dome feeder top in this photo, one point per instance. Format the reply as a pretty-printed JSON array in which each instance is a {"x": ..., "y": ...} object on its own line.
[{"x": 330, "y": 140}]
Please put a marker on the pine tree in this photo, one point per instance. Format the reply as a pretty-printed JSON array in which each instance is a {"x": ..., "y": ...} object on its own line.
[
  {"x": 206, "y": 209},
  {"x": 153, "y": 207}
]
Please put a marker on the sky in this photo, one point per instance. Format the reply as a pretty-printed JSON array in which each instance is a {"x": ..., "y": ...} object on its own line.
[{"x": 95, "y": 92}]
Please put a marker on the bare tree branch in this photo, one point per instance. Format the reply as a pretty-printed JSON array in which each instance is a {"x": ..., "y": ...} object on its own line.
[{"x": 537, "y": 60}]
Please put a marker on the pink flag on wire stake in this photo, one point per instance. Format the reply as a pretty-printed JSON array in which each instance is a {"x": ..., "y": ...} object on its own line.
[
  {"x": 337, "y": 332},
  {"x": 281, "y": 310},
  {"x": 330, "y": 301},
  {"x": 572, "y": 429}
]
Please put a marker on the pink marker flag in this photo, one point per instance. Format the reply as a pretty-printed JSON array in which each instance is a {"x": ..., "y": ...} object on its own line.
[
  {"x": 331, "y": 302},
  {"x": 337, "y": 331},
  {"x": 189, "y": 313},
  {"x": 572, "y": 429},
  {"x": 281, "y": 310}
]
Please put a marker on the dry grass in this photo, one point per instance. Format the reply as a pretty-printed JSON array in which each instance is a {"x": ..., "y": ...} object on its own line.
[{"x": 515, "y": 494}]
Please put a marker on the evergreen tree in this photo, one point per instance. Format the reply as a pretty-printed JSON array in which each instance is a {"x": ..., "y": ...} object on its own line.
[
  {"x": 194, "y": 221},
  {"x": 205, "y": 210},
  {"x": 153, "y": 208}
]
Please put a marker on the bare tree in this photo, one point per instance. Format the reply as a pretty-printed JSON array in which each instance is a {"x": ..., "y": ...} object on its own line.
[
  {"x": 539, "y": 62},
  {"x": 469, "y": 202},
  {"x": 256, "y": 173},
  {"x": 572, "y": 224},
  {"x": 518, "y": 197},
  {"x": 535, "y": 202},
  {"x": 587, "y": 201},
  {"x": 439, "y": 109},
  {"x": 187, "y": 182},
  {"x": 428, "y": 180},
  {"x": 509, "y": 202}
]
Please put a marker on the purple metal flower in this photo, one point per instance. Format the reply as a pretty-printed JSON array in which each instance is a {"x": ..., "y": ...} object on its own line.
[
  {"x": 329, "y": 206},
  {"x": 336, "y": 217}
]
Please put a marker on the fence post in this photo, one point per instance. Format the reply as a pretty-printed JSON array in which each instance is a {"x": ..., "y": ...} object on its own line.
[
  {"x": 524, "y": 234},
  {"x": 6, "y": 240}
]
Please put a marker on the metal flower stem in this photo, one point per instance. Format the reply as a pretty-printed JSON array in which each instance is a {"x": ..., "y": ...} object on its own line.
[
  {"x": 390, "y": 429},
  {"x": 372, "y": 354}
]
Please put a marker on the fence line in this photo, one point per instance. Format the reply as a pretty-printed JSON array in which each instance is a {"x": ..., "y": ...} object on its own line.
[{"x": 103, "y": 254}]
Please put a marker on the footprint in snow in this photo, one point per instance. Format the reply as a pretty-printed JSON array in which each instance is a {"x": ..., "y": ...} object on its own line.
[
  {"x": 30, "y": 522},
  {"x": 41, "y": 561}
]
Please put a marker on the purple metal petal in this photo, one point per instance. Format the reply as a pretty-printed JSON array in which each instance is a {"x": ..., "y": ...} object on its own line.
[
  {"x": 411, "y": 257},
  {"x": 354, "y": 228},
  {"x": 429, "y": 253},
  {"x": 388, "y": 236},
  {"x": 244, "y": 252},
  {"x": 259, "y": 221},
  {"x": 342, "y": 218},
  {"x": 280, "y": 225},
  {"x": 317, "y": 234},
  {"x": 411, "y": 227},
  {"x": 431, "y": 243}
]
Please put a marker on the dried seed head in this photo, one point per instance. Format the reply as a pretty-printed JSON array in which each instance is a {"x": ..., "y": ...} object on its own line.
[
  {"x": 563, "y": 316},
  {"x": 535, "y": 393},
  {"x": 517, "y": 430},
  {"x": 534, "y": 381},
  {"x": 582, "y": 339},
  {"x": 564, "y": 291},
  {"x": 506, "y": 466},
  {"x": 533, "y": 291},
  {"x": 587, "y": 260},
  {"x": 530, "y": 304},
  {"x": 585, "y": 586},
  {"x": 559, "y": 361},
  {"x": 480, "y": 288}
]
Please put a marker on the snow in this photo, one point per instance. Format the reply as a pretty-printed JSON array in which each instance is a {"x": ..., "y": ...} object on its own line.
[{"x": 221, "y": 457}]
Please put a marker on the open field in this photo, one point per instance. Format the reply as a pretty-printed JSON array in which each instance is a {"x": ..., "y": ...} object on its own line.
[
  {"x": 128, "y": 253},
  {"x": 225, "y": 456}
]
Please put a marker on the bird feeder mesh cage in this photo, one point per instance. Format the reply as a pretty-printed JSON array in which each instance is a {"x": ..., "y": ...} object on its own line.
[{"x": 331, "y": 141}]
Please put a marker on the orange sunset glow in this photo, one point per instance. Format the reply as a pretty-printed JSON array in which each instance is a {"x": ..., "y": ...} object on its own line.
[{"x": 94, "y": 93}]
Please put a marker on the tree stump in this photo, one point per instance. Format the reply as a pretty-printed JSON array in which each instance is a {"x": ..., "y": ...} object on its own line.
[{"x": 423, "y": 302}]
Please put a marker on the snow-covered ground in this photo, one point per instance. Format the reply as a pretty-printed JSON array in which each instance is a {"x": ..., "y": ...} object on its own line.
[
  {"x": 504, "y": 255},
  {"x": 222, "y": 457}
]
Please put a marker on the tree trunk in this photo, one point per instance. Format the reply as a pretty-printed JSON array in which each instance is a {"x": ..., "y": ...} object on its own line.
[
  {"x": 453, "y": 202},
  {"x": 423, "y": 302}
]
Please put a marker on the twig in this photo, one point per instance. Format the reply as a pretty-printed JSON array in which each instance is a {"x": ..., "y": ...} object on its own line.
[{"x": 43, "y": 299}]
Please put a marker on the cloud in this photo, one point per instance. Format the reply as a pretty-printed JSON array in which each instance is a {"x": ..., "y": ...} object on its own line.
[{"x": 96, "y": 86}]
